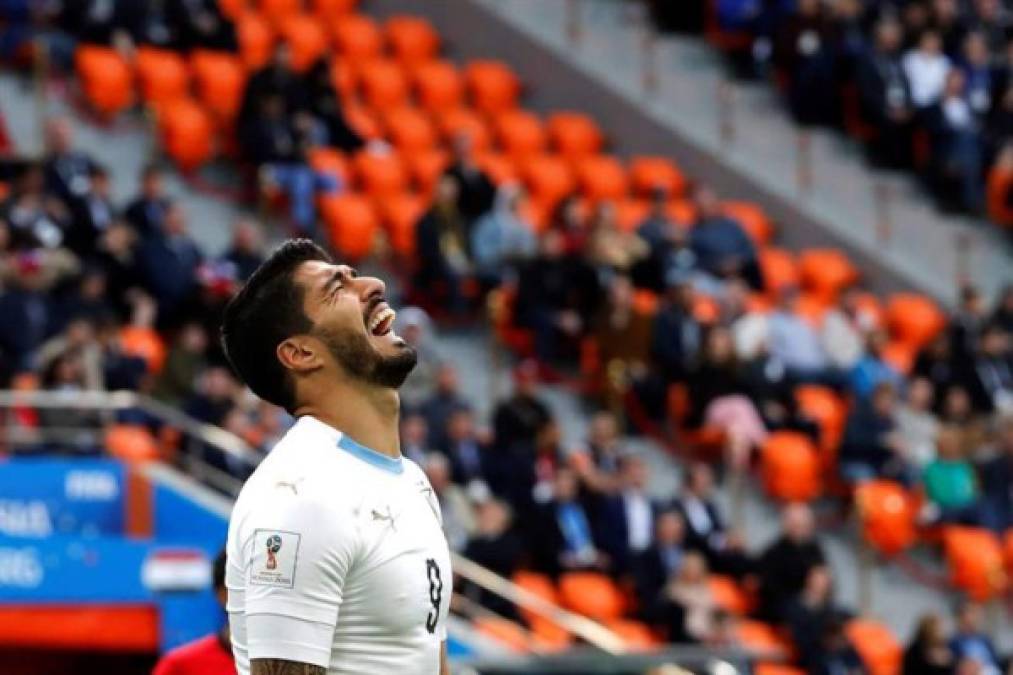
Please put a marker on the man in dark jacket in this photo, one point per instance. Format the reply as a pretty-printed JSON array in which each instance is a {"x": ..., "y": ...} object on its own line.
[
  {"x": 169, "y": 263},
  {"x": 786, "y": 563},
  {"x": 477, "y": 192},
  {"x": 885, "y": 96},
  {"x": 721, "y": 245},
  {"x": 997, "y": 479},
  {"x": 147, "y": 211},
  {"x": 706, "y": 531},
  {"x": 871, "y": 448},
  {"x": 654, "y": 567}
]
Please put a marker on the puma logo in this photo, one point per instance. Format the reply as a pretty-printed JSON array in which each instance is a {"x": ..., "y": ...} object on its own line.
[
  {"x": 293, "y": 485},
  {"x": 389, "y": 517}
]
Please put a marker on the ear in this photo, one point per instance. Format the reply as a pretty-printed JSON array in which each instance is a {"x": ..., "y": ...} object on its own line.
[{"x": 300, "y": 354}]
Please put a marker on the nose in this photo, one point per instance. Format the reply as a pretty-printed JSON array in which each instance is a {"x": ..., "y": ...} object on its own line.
[{"x": 370, "y": 286}]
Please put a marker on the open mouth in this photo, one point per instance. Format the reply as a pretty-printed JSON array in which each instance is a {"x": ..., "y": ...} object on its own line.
[{"x": 381, "y": 320}]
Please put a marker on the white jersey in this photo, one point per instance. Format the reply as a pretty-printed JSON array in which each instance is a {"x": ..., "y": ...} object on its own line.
[{"x": 336, "y": 557}]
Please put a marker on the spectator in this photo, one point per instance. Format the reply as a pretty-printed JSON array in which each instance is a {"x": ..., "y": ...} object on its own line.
[
  {"x": 569, "y": 220},
  {"x": 567, "y": 541},
  {"x": 324, "y": 103},
  {"x": 928, "y": 652},
  {"x": 950, "y": 483},
  {"x": 247, "y": 249},
  {"x": 95, "y": 217},
  {"x": 597, "y": 462},
  {"x": 475, "y": 192},
  {"x": 971, "y": 642},
  {"x": 1003, "y": 315},
  {"x": 495, "y": 546},
  {"x": 873, "y": 446},
  {"x": 24, "y": 313},
  {"x": 804, "y": 51},
  {"x": 721, "y": 246},
  {"x": 444, "y": 255},
  {"x": 211, "y": 655},
  {"x": 796, "y": 346},
  {"x": 935, "y": 363},
  {"x": 885, "y": 96},
  {"x": 455, "y": 508},
  {"x": 660, "y": 562},
  {"x": 917, "y": 426},
  {"x": 977, "y": 68},
  {"x": 836, "y": 654},
  {"x": 844, "y": 331},
  {"x": 705, "y": 526},
  {"x": 957, "y": 144},
  {"x": 556, "y": 297},
  {"x": 501, "y": 238},
  {"x": 67, "y": 172},
  {"x": 147, "y": 212},
  {"x": 623, "y": 338},
  {"x": 669, "y": 257},
  {"x": 519, "y": 418},
  {"x": 415, "y": 438},
  {"x": 720, "y": 398},
  {"x": 677, "y": 335},
  {"x": 872, "y": 369},
  {"x": 988, "y": 378},
  {"x": 200, "y": 24},
  {"x": 610, "y": 249},
  {"x": 997, "y": 479},
  {"x": 467, "y": 451},
  {"x": 691, "y": 608},
  {"x": 77, "y": 341},
  {"x": 967, "y": 323},
  {"x": 446, "y": 399},
  {"x": 168, "y": 261},
  {"x": 625, "y": 526},
  {"x": 215, "y": 396},
  {"x": 926, "y": 68},
  {"x": 186, "y": 360},
  {"x": 276, "y": 80},
  {"x": 785, "y": 565},
  {"x": 117, "y": 256},
  {"x": 415, "y": 327},
  {"x": 35, "y": 217},
  {"x": 811, "y": 613}
]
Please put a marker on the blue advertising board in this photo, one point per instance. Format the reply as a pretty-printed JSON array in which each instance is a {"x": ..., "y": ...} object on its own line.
[{"x": 45, "y": 497}]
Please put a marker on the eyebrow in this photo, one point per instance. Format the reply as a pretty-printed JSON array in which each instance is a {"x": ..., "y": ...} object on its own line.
[{"x": 340, "y": 274}]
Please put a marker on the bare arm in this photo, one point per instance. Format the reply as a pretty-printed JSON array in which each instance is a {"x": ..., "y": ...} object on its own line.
[
  {"x": 282, "y": 667},
  {"x": 444, "y": 664}
]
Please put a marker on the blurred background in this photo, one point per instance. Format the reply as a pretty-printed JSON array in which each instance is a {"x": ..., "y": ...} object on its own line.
[{"x": 713, "y": 301}]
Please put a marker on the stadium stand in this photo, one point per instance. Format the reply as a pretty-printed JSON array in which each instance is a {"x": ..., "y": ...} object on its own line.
[{"x": 674, "y": 311}]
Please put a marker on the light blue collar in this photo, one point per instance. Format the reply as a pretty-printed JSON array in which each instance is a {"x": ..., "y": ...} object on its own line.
[{"x": 379, "y": 460}]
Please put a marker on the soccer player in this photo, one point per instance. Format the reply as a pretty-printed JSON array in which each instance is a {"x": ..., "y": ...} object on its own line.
[
  {"x": 337, "y": 562},
  {"x": 210, "y": 655}
]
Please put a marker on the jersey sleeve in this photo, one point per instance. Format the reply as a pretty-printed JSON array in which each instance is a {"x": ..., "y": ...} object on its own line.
[{"x": 298, "y": 552}]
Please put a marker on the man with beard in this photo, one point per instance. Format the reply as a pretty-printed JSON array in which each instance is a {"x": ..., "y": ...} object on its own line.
[{"x": 336, "y": 558}]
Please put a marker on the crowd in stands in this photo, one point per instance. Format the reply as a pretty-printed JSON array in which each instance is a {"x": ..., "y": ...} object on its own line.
[{"x": 924, "y": 83}]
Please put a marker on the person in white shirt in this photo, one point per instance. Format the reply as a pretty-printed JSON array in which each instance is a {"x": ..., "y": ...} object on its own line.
[
  {"x": 337, "y": 562},
  {"x": 926, "y": 68}
]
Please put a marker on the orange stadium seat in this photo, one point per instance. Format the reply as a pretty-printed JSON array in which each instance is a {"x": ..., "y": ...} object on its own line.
[
  {"x": 706, "y": 309},
  {"x": 765, "y": 668},
  {"x": 876, "y": 645},
  {"x": 233, "y": 8},
  {"x": 602, "y": 177},
  {"x": 649, "y": 173},
  {"x": 547, "y": 632},
  {"x": 504, "y": 631},
  {"x": 106, "y": 79},
  {"x": 637, "y": 636},
  {"x": 825, "y": 407},
  {"x": 456, "y": 121},
  {"x": 760, "y": 637},
  {"x": 306, "y": 39},
  {"x": 492, "y": 85},
  {"x": 277, "y": 11},
  {"x": 592, "y": 594},
  {"x": 779, "y": 269},
  {"x": 681, "y": 211},
  {"x": 144, "y": 343},
  {"x": 887, "y": 513},
  {"x": 400, "y": 214},
  {"x": 729, "y": 596},
  {"x": 256, "y": 40},
  {"x": 187, "y": 133},
  {"x": 425, "y": 168},
  {"x": 900, "y": 356},
  {"x": 383, "y": 83},
  {"x": 520, "y": 133},
  {"x": 870, "y": 308},
  {"x": 631, "y": 213},
  {"x": 975, "y": 560},
  {"x": 352, "y": 223},
  {"x": 412, "y": 39},
  {"x": 438, "y": 84},
  {"x": 357, "y": 37},
  {"x": 362, "y": 120},
  {"x": 409, "y": 129},
  {"x": 380, "y": 174},
  {"x": 811, "y": 307},
  {"x": 499, "y": 167},
  {"x": 826, "y": 271},
  {"x": 331, "y": 9},
  {"x": 548, "y": 178},
  {"x": 131, "y": 442},
  {"x": 574, "y": 134},
  {"x": 1008, "y": 552},
  {"x": 330, "y": 161},
  {"x": 219, "y": 80},
  {"x": 914, "y": 319},
  {"x": 790, "y": 467},
  {"x": 161, "y": 74},
  {"x": 753, "y": 220}
]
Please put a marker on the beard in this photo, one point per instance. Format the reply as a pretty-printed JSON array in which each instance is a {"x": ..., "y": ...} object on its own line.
[{"x": 363, "y": 362}]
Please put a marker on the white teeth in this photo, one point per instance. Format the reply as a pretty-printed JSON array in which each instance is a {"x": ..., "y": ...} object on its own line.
[{"x": 381, "y": 316}]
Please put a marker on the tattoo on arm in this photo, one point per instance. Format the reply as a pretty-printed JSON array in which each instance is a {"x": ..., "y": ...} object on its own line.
[{"x": 282, "y": 667}]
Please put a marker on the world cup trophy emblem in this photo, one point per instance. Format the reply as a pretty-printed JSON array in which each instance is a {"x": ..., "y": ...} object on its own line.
[{"x": 273, "y": 546}]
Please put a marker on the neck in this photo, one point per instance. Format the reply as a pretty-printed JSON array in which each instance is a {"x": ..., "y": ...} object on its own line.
[{"x": 367, "y": 414}]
